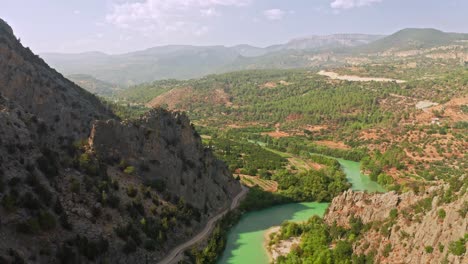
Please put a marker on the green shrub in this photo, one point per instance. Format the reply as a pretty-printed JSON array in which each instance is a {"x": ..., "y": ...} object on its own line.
[
  {"x": 129, "y": 170},
  {"x": 9, "y": 203},
  {"x": 132, "y": 191},
  {"x": 129, "y": 247},
  {"x": 150, "y": 245},
  {"x": 158, "y": 184},
  {"x": 48, "y": 163},
  {"x": 2, "y": 183},
  {"x": 30, "y": 226},
  {"x": 44, "y": 194},
  {"x": 441, "y": 213},
  {"x": 46, "y": 220},
  {"x": 64, "y": 222},
  {"x": 88, "y": 165},
  {"x": 441, "y": 248},
  {"x": 387, "y": 250},
  {"x": 122, "y": 165},
  {"x": 75, "y": 186},
  {"x": 113, "y": 200},
  {"x": 30, "y": 202},
  {"x": 91, "y": 249},
  {"x": 393, "y": 213},
  {"x": 458, "y": 247},
  {"x": 429, "y": 249}
]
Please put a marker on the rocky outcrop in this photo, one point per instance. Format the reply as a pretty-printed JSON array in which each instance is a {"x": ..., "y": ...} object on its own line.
[
  {"x": 78, "y": 185},
  {"x": 165, "y": 147},
  {"x": 420, "y": 230}
]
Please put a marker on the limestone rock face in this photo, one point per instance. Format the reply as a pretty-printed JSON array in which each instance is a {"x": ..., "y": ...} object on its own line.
[
  {"x": 164, "y": 146},
  {"x": 411, "y": 231}
]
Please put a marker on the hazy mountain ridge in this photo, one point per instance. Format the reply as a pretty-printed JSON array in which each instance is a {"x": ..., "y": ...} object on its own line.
[
  {"x": 185, "y": 61},
  {"x": 413, "y": 38},
  {"x": 94, "y": 85}
]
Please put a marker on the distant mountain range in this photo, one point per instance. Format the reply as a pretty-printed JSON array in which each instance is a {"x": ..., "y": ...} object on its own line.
[
  {"x": 413, "y": 38},
  {"x": 186, "y": 62}
]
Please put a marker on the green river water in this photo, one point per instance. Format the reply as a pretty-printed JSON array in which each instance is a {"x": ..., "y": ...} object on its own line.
[{"x": 245, "y": 243}]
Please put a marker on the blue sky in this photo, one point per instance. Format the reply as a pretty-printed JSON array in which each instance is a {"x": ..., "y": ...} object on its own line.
[{"x": 118, "y": 26}]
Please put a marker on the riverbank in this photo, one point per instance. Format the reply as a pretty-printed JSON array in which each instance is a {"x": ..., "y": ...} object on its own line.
[
  {"x": 247, "y": 240},
  {"x": 245, "y": 243},
  {"x": 267, "y": 239},
  {"x": 282, "y": 248}
]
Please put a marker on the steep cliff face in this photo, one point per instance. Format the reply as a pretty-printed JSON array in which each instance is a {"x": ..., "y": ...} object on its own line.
[
  {"x": 166, "y": 148},
  {"x": 77, "y": 189},
  {"x": 65, "y": 109},
  {"x": 405, "y": 228}
]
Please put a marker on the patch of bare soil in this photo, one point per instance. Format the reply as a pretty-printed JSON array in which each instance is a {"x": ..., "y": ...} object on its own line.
[
  {"x": 282, "y": 248},
  {"x": 316, "y": 128},
  {"x": 352, "y": 78},
  {"x": 450, "y": 111},
  {"x": 332, "y": 144},
  {"x": 293, "y": 117},
  {"x": 277, "y": 134},
  {"x": 179, "y": 99},
  {"x": 173, "y": 99},
  {"x": 269, "y": 85}
]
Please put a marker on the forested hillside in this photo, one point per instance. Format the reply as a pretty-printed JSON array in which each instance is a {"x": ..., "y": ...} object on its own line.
[{"x": 400, "y": 127}]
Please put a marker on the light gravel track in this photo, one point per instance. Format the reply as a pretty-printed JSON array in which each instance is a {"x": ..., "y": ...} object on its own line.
[{"x": 175, "y": 255}]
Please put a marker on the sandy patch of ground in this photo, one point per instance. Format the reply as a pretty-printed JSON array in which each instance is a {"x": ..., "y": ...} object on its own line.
[
  {"x": 352, "y": 78},
  {"x": 332, "y": 144},
  {"x": 276, "y": 134},
  {"x": 269, "y": 85},
  {"x": 293, "y": 117},
  {"x": 449, "y": 111},
  {"x": 178, "y": 99},
  {"x": 283, "y": 248},
  {"x": 316, "y": 128},
  {"x": 425, "y": 104}
]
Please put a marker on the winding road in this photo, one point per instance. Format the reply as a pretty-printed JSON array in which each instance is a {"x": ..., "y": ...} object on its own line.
[{"x": 175, "y": 254}]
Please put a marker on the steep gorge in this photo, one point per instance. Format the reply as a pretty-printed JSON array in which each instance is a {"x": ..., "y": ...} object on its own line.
[{"x": 77, "y": 184}]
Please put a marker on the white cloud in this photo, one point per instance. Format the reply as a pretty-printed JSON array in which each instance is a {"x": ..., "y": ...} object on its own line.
[
  {"x": 76, "y": 12},
  {"x": 209, "y": 12},
  {"x": 164, "y": 17},
  {"x": 347, "y": 4},
  {"x": 274, "y": 14},
  {"x": 201, "y": 31}
]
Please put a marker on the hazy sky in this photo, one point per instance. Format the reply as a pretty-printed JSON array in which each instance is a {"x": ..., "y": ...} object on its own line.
[{"x": 116, "y": 26}]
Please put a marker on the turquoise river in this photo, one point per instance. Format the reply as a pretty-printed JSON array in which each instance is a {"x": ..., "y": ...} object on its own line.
[{"x": 246, "y": 239}]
